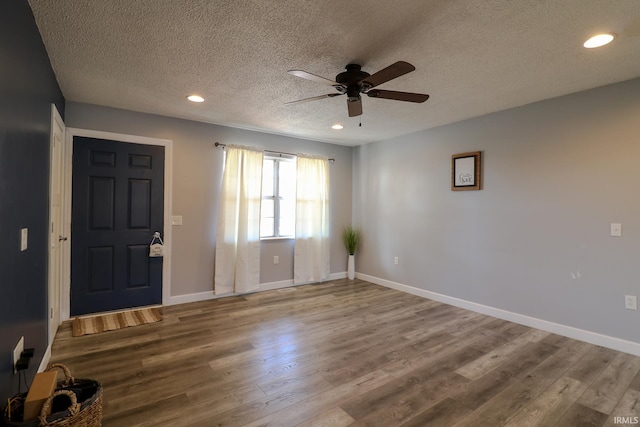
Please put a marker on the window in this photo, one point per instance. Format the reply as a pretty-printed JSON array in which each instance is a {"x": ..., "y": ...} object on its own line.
[{"x": 278, "y": 213}]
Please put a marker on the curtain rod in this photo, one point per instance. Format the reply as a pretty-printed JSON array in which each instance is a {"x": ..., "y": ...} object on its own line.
[{"x": 219, "y": 144}]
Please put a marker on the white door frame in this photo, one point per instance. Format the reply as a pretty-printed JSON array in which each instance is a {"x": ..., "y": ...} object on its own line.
[
  {"x": 65, "y": 306},
  {"x": 56, "y": 222}
]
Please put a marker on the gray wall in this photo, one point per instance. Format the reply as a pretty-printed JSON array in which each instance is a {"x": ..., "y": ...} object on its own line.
[
  {"x": 536, "y": 240},
  {"x": 197, "y": 174},
  {"x": 27, "y": 89}
]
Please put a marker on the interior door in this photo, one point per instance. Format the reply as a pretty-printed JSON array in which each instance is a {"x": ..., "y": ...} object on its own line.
[
  {"x": 56, "y": 226},
  {"x": 117, "y": 205}
]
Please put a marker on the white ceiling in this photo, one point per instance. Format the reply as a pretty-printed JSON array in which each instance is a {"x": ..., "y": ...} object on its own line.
[{"x": 473, "y": 57}]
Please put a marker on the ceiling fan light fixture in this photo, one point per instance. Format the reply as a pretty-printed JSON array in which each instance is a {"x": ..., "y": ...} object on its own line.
[
  {"x": 599, "y": 40},
  {"x": 337, "y": 126},
  {"x": 195, "y": 98}
]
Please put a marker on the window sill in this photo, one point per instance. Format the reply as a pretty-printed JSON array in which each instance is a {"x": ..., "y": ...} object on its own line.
[{"x": 277, "y": 238}]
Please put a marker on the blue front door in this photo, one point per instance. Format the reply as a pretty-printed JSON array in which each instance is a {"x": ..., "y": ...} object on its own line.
[{"x": 117, "y": 205}]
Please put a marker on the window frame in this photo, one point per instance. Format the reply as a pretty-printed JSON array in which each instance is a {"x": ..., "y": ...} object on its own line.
[{"x": 276, "y": 198}]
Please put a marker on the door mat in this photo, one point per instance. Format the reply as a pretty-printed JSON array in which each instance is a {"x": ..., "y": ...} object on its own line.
[{"x": 111, "y": 322}]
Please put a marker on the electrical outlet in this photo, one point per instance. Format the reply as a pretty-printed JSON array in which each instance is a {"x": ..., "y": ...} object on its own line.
[
  {"x": 616, "y": 229},
  {"x": 276, "y": 259},
  {"x": 395, "y": 260},
  {"x": 16, "y": 353},
  {"x": 630, "y": 302}
]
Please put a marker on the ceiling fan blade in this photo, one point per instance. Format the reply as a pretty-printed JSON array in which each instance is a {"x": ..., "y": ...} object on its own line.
[
  {"x": 393, "y": 71},
  {"x": 313, "y": 77},
  {"x": 314, "y": 98},
  {"x": 398, "y": 96},
  {"x": 355, "y": 107}
]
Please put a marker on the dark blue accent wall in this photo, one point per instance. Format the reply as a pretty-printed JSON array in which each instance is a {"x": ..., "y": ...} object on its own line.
[{"x": 27, "y": 88}]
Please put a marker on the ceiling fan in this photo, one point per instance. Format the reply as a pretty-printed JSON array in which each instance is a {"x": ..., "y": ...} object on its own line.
[{"x": 353, "y": 82}]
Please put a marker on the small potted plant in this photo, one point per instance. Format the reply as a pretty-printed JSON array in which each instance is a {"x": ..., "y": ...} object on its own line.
[{"x": 351, "y": 236}]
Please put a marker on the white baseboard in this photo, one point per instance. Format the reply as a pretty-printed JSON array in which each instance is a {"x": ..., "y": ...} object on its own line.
[
  {"x": 204, "y": 296},
  {"x": 276, "y": 285},
  {"x": 187, "y": 298},
  {"x": 336, "y": 276},
  {"x": 556, "y": 328},
  {"x": 45, "y": 359},
  {"x": 332, "y": 276}
]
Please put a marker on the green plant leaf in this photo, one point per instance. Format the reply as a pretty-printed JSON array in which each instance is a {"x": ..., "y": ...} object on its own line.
[{"x": 350, "y": 236}]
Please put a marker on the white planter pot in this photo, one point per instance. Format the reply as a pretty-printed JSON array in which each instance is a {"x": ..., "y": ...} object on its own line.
[{"x": 351, "y": 267}]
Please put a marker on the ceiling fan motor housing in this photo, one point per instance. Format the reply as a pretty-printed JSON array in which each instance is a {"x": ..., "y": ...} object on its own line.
[{"x": 352, "y": 78}]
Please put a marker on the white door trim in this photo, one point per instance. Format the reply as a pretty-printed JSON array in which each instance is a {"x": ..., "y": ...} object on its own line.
[
  {"x": 56, "y": 255},
  {"x": 168, "y": 180}
]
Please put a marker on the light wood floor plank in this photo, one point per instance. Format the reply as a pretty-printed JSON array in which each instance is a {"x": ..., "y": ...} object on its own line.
[
  {"x": 483, "y": 389},
  {"x": 579, "y": 415},
  {"x": 499, "y": 409},
  {"x": 550, "y": 406},
  {"x": 495, "y": 358},
  {"x": 347, "y": 352},
  {"x": 335, "y": 417},
  {"x": 316, "y": 405},
  {"x": 443, "y": 414},
  {"x": 628, "y": 407},
  {"x": 605, "y": 392}
]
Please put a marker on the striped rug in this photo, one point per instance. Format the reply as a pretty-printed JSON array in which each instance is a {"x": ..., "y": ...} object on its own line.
[{"x": 110, "y": 322}]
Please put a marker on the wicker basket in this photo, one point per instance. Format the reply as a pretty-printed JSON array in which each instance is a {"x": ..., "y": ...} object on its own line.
[{"x": 86, "y": 413}]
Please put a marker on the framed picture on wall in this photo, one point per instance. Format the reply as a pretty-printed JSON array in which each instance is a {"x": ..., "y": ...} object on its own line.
[{"x": 466, "y": 171}]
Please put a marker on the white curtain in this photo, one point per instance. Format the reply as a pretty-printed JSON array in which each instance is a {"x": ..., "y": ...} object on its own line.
[
  {"x": 311, "y": 254},
  {"x": 238, "y": 234}
]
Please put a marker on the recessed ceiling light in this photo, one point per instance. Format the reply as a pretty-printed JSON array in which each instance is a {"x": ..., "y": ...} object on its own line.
[
  {"x": 598, "y": 40},
  {"x": 195, "y": 98},
  {"x": 337, "y": 127}
]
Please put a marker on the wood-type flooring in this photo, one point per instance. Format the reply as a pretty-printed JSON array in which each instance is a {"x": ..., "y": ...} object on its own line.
[{"x": 348, "y": 353}]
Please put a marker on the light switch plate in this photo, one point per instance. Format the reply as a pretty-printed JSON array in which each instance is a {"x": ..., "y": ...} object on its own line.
[
  {"x": 616, "y": 229},
  {"x": 630, "y": 302},
  {"x": 24, "y": 239},
  {"x": 176, "y": 220},
  {"x": 17, "y": 352}
]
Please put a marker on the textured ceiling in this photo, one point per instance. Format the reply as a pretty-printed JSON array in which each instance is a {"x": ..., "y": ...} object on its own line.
[{"x": 473, "y": 57}]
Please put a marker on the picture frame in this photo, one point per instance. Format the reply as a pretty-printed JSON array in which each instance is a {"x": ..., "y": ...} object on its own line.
[{"x": 466, "y": 171}]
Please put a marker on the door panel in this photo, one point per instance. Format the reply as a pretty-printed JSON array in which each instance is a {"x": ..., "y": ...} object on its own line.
[
  {"x": 139, "y": 203},
  {"x": 102, "y": 203},
  {"x": 138, "y": 262},
  {"x": 117, "y": 205}
]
